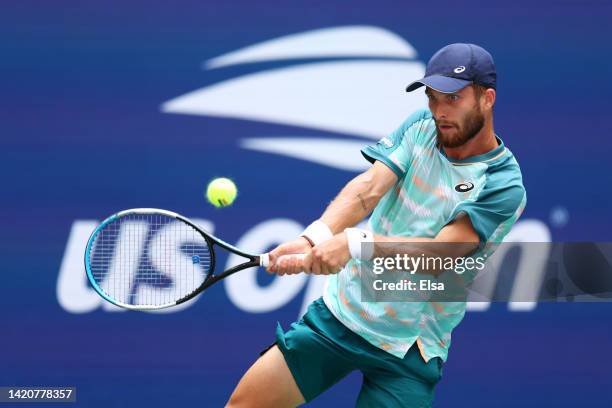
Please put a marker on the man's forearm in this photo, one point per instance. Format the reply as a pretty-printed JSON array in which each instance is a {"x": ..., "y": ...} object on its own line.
[
  {"x": 432, "y": 252},
  {"x": 385, "y": 246},
  {"x": 458, "y": 238},
  {"x": 354, "y": 202}
]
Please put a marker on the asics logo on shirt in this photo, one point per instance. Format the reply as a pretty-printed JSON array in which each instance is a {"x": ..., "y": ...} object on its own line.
[{"x": 464, "y": 187}]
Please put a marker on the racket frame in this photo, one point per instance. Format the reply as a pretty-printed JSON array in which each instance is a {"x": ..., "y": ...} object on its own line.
[{"x": 211, "y": 278}]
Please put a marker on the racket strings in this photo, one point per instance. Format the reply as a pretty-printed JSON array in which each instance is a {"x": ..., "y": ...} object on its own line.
[{"x": 149, "y": 260}]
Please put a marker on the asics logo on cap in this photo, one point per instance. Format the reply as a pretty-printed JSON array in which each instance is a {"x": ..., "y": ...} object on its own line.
[{"x": 459, "y": 69}]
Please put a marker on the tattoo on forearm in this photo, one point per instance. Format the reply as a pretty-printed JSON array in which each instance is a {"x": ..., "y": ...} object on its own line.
[{"x": 363, "y": 203}]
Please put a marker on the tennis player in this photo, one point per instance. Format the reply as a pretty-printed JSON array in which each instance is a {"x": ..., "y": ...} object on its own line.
[{"x": 442, "y": 176}]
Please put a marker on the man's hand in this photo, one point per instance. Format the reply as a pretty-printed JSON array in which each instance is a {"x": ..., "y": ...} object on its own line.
[
  {"x": 324, "y": 259},
  {"x": 328, "y": 257},
  {"x": 288, "y": 265}
]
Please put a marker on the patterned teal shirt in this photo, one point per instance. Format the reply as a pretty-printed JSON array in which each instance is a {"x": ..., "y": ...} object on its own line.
[{"x": 421, "y": 203}]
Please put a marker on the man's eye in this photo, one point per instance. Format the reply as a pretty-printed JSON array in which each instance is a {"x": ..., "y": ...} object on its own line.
[{"x": 453, "y": 97}]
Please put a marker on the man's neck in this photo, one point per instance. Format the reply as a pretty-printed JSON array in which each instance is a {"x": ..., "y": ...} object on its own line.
[{"x": 483, "y": 142}]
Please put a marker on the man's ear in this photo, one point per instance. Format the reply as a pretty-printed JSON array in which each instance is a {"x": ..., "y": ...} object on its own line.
[{"x": 489, "y": 98}]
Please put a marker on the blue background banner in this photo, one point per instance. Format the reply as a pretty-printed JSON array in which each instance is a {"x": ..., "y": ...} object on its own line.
[{"x": 139, "y": 104}]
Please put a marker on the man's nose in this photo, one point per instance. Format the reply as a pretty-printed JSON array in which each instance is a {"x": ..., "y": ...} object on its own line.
[{"x": 438, "y": 111}]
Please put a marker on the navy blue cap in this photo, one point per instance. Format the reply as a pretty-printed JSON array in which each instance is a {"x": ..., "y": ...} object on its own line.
[{"x": 456, "y": 66}]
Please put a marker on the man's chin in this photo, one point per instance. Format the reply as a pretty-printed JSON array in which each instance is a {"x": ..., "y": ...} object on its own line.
[
  {"x": 449, "y": 137},
  {"x": 451, "y": 142}
]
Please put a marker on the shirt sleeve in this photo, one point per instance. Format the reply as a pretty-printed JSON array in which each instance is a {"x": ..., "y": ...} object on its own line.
[
  {"x": 496, "y": 209},
  {"x": 396, "y": 150}
]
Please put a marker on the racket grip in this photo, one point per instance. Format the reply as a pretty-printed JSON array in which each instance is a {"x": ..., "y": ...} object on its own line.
[{"x": 264, "y": 259}]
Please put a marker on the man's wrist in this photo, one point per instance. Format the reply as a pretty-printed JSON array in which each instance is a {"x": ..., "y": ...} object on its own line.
[
  {"x": 360, "y": 243},
  {"x": 307, "y": 240},
  {"x": 317, "y": 232}
]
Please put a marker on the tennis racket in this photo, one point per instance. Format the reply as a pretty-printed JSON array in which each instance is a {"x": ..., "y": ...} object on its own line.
[{"x": 147, "y": 258}]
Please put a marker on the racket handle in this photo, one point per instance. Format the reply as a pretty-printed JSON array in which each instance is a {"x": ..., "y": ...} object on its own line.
[{"x": 264, "y": 259}]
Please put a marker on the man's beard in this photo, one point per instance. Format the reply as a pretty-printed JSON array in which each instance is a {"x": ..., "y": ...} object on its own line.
[{"x": 472, "y": 124}]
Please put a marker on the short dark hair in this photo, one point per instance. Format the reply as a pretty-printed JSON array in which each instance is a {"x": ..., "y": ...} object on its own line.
[{"x": 479, "y": 90}]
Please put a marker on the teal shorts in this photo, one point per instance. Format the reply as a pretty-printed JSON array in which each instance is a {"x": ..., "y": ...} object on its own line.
[{"x": 320, "y": 351}]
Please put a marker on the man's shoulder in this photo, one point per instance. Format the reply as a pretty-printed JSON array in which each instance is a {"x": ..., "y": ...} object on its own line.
[
  {"x": 417, "y": 128},
  {"x": 504, "y": 179},
  {"x": 505, "y": 169},
  {"x": 420, "y": 115}
]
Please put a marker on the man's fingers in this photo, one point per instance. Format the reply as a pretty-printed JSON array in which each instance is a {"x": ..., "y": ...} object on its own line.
[
  {"x": 295, "y": 264},
  {"x": 307, "y": 263},
  {"x": 315, "y": 267},
  {"x": 289, "y": 264},
  {"x": 325, "y": 269},
  {"x": 297, "y": 246},
  {"x": 286, "y": 264},
  {"x": 275, "y": 253}
]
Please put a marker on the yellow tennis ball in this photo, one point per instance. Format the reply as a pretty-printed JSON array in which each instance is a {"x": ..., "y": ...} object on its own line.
[{"x": 221, "y": 192}]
